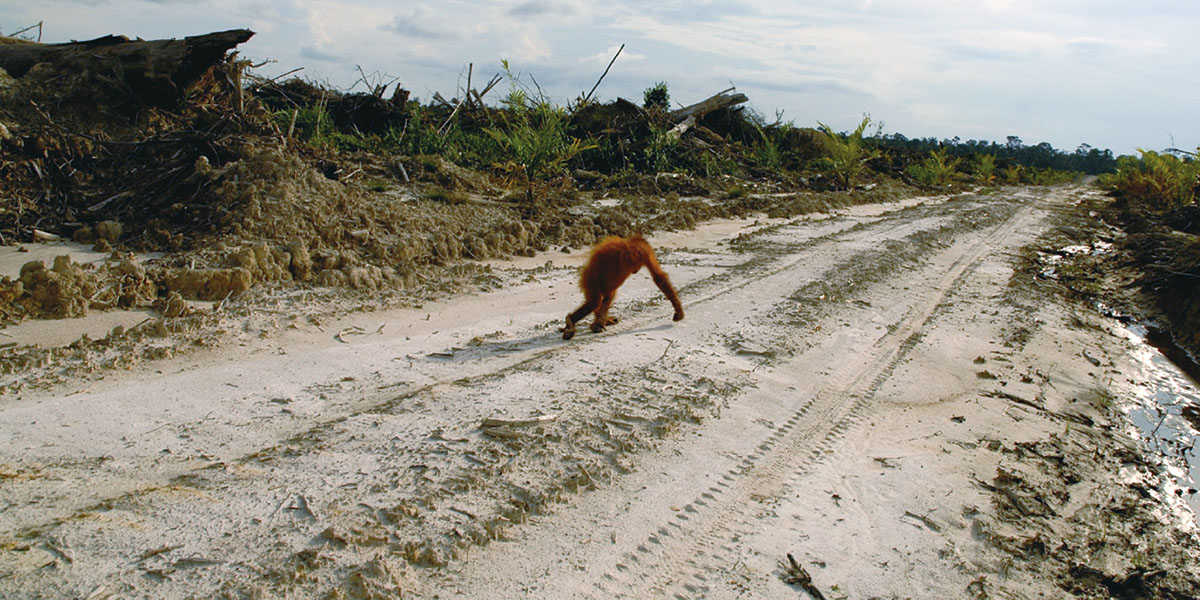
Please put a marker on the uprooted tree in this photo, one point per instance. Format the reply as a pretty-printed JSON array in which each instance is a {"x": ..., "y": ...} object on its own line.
[{"x": 155, "y": 72}]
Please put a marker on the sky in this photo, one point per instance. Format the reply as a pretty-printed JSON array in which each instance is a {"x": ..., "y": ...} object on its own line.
[{"x": 1112, "y": 74}]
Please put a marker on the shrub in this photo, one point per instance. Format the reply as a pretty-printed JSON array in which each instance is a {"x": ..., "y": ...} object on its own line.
[
  {"x": 1012, "y": 174},
  {"x": 1157, "y": 181},
  {"x": 657, "y": 96},
  {"x": 767, "y": 152}
]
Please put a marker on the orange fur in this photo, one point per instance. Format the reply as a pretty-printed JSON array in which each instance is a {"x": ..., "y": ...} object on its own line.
[{"x": 612, "y": 261}]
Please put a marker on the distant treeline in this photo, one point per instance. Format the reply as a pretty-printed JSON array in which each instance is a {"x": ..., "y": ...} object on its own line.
[{"x": 1085, "y": 158}]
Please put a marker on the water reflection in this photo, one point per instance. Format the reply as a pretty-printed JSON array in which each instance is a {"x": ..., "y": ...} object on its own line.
[{"x": 1166, "y": 413}]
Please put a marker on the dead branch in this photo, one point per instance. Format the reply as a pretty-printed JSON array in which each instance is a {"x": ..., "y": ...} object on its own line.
[
  {"x": 926, "y": 521},
  {"x": 38, "y": 25},
  {"x": 794, "y": 574},
  {"x": 503, "y": 433},
  {"x": 354, "y": 330},
  {"x": 610, "y": 64},
  {"x": 466, "y": 95},
  {"x": 722, "y": 99}
]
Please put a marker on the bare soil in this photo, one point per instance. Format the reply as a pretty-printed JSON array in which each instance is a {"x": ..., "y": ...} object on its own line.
[{"x": 886, "y": 392}]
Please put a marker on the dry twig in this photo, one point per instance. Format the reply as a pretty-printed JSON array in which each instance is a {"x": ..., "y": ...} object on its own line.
[
  {"x": 517, "y": 422},
  {"x": 794, "y": 574}
]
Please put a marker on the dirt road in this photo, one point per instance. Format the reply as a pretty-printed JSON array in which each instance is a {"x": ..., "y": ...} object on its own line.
[{"x": 874, "y": 392}]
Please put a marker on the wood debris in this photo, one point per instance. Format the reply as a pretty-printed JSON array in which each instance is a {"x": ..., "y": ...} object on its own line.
[
  {"x": 492, "y": 422},
  {"x": 795, "y": 574}
]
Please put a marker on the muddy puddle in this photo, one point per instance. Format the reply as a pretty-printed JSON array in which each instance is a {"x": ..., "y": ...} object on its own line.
[{"x": 1166, "y": 412}]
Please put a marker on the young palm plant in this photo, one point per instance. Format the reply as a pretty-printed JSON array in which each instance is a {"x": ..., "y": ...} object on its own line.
[
  {"x": 535, "y": 140},
  {"x": 848, "y": 154}
]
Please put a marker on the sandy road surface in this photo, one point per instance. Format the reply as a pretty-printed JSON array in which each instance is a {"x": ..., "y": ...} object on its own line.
[{"x": 856, "y": 390}]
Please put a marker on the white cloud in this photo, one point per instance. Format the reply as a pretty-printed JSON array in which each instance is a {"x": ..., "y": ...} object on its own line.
[
  {"x": 530, "y": 47},
  {"x": 603, "y": 57}
]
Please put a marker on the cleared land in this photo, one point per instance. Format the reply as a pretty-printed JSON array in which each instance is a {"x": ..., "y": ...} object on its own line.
[{"x": 883, "y": 393}]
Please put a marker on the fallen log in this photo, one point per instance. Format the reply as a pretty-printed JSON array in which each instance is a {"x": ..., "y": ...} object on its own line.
[
  {"x": 156, "y": 71},
  {"x": 718, "y": 101}
]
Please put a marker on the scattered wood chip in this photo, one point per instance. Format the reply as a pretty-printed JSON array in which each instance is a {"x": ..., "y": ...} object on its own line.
[
  {"x": 926, "y": 521},
  {"x": 195, "y": 561},
  {"x": 463, "y": 512},
  {"x": 490, "y": 422},
  {"x": 669, "y": 344},
  {"x": 151, "y": 553},
  {"x": 355, "y": 330},
  {"x": 99, "y": 592},
  {"x": 1017, "y": 399},
  {"x": 61, "y": 548},
  {"x": 503, "y": 433}
]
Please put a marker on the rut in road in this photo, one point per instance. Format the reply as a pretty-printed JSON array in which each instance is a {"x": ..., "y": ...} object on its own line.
[
  {"x": 412, "y": 476},
  {"x": 694, "y": 541},
  {"x": 632, "y": 547}
]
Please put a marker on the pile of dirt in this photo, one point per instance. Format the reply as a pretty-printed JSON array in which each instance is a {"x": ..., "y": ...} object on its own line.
[
  {"x": 1165, "y": 249},
  {"x": 209, "y": 178},
  {"x": 82, "y": 146},
  {"x": 68, "y": 289}
]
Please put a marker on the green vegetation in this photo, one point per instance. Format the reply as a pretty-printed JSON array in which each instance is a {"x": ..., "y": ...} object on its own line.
[
  {"x": 847, "y": 154},
  {"x": 445, "y": 196},
  {"x": 1158, "y": 203},
  {"x": 938, "y": 169},
  {"x": 532, "y": 139},
  {"x": 768, "y": 153},
  {"x": 1158, "y": 181},
  {"x": 985, "y": 168},
  {"x": 1014, "y": 152},
  {"x": 528, "y": 143},
  {"x": 657, "y": 96}
]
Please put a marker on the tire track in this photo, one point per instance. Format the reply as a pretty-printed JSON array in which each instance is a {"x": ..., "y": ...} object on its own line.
[
  {"x": 381, "y": 446},
  {"x": 677, "y": 556},
  {"x": 717, "y": 514},
  {"x": 475, "y": 367}
]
